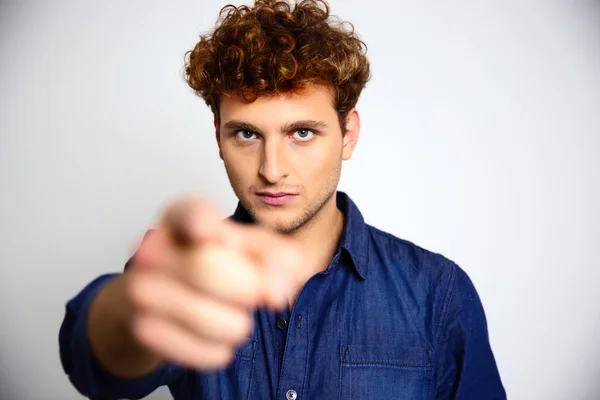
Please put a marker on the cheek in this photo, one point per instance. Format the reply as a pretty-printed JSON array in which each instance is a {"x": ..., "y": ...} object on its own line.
[
  {"x": 319, "y": 159},
  {"x": 325, "y": 153},
  {"x": 239, "y": 158},
  {"x": 239, "y": 167}
]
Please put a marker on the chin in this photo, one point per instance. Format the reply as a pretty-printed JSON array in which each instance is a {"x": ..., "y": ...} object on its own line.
[
  {"x": 277, "y": 224},
  {"x": 276, "y": 220}
]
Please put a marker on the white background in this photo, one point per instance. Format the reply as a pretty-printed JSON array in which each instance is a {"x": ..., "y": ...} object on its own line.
[{"x": 480, "y": 140}]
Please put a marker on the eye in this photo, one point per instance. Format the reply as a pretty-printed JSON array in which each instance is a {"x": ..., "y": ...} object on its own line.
[
  {"x": 304, "y": 134},
  {"x": 244, "y": 134}
]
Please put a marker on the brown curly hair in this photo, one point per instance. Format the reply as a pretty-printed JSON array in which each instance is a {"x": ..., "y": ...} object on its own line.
[{"x": 272, "y": 48}]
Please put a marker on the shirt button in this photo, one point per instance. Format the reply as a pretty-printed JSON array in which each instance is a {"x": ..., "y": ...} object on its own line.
[
  {"x": 291, "y": 395},
  {"x": 281, "y": 324}
]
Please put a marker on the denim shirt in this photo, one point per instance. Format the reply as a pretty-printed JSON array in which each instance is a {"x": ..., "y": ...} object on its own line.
[{"x": 386, "y": 320}]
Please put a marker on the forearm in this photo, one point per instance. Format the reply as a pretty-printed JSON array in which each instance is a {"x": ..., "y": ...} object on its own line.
[{"x": 110, "y": 336}]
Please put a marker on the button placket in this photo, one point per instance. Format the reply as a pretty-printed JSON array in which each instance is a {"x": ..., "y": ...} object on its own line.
[
  {"x": 293, "y": 368},
  {"x": 282, "y": 323}
]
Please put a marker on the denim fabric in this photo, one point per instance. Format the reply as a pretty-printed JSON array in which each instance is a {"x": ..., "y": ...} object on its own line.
[{"x": 386, "y": 320}]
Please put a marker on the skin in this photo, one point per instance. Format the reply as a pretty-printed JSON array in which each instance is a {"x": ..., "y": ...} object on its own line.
[
  {"x": 189, "y": 295},
  {"x": 290, "y": 143}
]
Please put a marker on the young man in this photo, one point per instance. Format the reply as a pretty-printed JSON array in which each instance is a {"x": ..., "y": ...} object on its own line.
[{"x": 294, "y": 296}]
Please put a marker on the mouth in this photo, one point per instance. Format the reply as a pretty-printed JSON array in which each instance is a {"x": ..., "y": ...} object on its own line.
[{"x": 276, "y": 198}]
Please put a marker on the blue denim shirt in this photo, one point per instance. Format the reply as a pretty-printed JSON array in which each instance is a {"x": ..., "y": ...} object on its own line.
[{"x": 386, "y": 320}]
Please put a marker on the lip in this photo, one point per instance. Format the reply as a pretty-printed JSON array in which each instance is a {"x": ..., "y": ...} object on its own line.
[{"x": 276, "y": 199}]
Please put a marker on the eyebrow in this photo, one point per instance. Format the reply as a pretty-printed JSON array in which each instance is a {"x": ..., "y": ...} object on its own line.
[{"x": 288, "y": 127}]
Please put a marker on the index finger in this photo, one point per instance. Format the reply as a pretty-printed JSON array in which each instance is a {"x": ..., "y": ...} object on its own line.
[
  {"x": 269, "y": 249},
  {"x": 193, "y": 222},
  {"x": 281, "y": 260},
  {"x": 190, "y": 220}
]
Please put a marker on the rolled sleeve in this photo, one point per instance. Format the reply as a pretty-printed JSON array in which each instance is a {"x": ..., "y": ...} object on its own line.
[{"x": 84, "y": 372}]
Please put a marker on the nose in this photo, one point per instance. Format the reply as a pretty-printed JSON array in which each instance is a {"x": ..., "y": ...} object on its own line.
[{"x": 273, "y": 167}]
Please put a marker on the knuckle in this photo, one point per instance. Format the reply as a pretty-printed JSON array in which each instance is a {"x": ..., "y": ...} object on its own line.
[
  {"x": 135, "y": 292},
  {"x": 142, "y": 329},
  {"x": 143, "y": 292},
  {"x": 242, "y": 328},
  {"x": 202, "y": 265},
  {"x": 223, "y": 356},
  {"x": 254, "y": 294}
]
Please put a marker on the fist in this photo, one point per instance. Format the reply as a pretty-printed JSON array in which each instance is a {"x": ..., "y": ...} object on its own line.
[{"x": 196, "y": 280}]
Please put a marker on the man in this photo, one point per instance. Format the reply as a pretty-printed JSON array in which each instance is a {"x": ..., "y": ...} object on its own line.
[{"x": 294, "y": 296}]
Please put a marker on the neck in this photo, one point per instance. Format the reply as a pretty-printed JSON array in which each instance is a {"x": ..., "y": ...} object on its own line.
[
  {"x": 320, "y": 239},
  {"x": 320, "y": 236}
]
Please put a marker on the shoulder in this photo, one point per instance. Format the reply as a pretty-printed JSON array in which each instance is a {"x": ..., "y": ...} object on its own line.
[
  {"x": 407, "y": 257},
  {"x": 446, "y": 283}
]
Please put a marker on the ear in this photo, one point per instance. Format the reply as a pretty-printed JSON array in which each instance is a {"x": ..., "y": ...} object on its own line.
[
  {"x": 218, "y": 136},
  {"x": 352, "y": 134}
]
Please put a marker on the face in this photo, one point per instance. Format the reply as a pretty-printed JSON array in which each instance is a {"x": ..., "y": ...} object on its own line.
[{"x": 283, "y": 155}]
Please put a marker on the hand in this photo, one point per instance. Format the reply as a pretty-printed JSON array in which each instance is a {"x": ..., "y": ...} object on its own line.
[{"x": 197, "y": 279}]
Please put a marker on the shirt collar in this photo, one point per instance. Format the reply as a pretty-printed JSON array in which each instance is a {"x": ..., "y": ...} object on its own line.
[{"x": 354, "y": 236}]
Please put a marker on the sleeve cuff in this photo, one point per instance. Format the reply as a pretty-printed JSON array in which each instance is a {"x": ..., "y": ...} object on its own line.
[{"x": 88, "y": 376}]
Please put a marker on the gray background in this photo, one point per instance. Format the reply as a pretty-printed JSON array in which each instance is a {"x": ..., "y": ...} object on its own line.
[{"x": 480, "y": 140}]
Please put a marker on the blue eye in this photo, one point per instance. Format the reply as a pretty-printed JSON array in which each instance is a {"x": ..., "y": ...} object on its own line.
[
  {"x": 245, "y": 134},
  {"x": 304, "y": 134}
]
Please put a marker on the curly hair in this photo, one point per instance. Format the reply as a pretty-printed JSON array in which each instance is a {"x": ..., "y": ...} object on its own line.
[{"x": 272, "y": 48}]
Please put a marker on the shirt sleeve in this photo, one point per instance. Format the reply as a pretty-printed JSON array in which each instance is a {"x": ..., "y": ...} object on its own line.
[
  {"x": 84, "y": 372},
  {"x": 465, "y": 365}
]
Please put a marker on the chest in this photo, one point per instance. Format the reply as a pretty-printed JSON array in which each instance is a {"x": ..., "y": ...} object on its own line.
[{"x": 346, "y": 340}]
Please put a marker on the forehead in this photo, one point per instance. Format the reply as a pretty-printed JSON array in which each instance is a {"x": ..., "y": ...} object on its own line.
[{"x": 315, "y": 102}]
